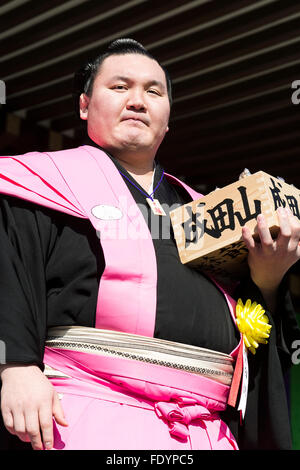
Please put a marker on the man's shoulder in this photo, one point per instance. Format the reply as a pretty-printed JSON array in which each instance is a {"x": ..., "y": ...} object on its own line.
[
  {"x": 179, "y": 183},
  {"x": 80, "y": 151},
  {"x": 67, "y": 151},
  {"x": 35, "y": 154}
]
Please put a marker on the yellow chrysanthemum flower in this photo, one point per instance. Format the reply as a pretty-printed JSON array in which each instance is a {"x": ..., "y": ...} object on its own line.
[{"x": 252, "y": 323}]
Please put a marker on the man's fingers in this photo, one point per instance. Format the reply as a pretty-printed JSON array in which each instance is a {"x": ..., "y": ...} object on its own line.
[
  {"x": 295, "y": 230},
  {"x": 33, "y": 429},
  {"x": 19, "y": 426},
  {"x": 264, "y": 233},
  {"x": 247, "y": 238},
  {"x": 8, "y": 421},
  {"x": 27, "y": 400},
  {"x": 46, "y": 425},
  {"x": 266, "y": 241},
  {"x": 58, "y": 411},
  {"x": 285, "y": 233}
]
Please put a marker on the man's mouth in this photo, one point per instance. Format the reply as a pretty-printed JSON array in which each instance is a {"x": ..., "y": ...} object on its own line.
[{"x": 136, "y": 120}]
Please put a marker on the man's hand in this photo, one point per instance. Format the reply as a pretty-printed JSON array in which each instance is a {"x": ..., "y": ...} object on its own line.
[
  {"x": 269, "y": 259},
  {"x": 28, "y": 403}
]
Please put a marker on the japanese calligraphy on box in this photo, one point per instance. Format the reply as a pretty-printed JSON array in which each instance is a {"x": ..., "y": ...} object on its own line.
[{"x": 208, "y": 231}]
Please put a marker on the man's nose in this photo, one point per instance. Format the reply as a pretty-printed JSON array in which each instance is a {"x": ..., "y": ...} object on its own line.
[{"x": 136, "y": 100}]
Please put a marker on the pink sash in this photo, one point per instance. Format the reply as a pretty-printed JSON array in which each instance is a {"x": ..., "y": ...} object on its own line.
[{"x": 178, "y": 398}]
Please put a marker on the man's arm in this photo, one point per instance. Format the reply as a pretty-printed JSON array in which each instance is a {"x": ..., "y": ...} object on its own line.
[
  {"x": 28, "y": 399},
  {"x": 269, "y": 260}
]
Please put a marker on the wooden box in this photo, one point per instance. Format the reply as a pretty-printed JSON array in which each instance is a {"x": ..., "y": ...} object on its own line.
[{"x": 208, "y": 231}]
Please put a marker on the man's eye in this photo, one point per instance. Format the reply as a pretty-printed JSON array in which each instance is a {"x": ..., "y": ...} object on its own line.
[
  {"x": 155, "y": 92},
  {"x": 119, "y": 87}
]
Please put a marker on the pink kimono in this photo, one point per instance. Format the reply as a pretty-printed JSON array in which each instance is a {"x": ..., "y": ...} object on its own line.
[{"x": 118, "y": 403}]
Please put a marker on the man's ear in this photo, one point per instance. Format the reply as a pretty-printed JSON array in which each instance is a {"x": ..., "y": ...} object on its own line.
[{"x": 83, "y": 106}]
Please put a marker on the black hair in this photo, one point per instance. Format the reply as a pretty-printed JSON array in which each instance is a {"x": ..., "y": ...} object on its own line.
[{"x": 84, "y": 77}]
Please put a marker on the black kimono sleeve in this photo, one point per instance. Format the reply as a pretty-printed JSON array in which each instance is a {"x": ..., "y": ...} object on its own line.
[
  {"x": 22, "y": 284},
  {"x": 266, "y": 425},
  {"x": 50, "y": 265}
]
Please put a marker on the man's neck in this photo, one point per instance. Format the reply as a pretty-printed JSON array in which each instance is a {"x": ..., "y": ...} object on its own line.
[
  {"x": 143, "y": 174},
  {"x": 140, "y": 168}
]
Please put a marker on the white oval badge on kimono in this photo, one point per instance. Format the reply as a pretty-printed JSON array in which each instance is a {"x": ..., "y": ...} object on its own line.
[{"x": 105, "y": 212}]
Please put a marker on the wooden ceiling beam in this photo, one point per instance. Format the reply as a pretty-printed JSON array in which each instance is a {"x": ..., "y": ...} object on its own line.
[
  {"x": 228, "y": 31},
  {"x": 88, "y": 35},
  {"x": 69, "y": 65},
  {"x": 51, "y": 110},
  {"x": 30, "y": 99},
  {"x": 243, "y": 108},
  {"x": 267, "y": 68},
  {"x": 198, "y": 84},
  {"x": 246, "y": 150},
  {"x": 213, "y": 178},
  {"x": 253, "y": 159},
  {"x": 67, "y": 122},
  {"x": 252, "y": 44},
  {"x": 204, "y": 171},
  {"x": 25, "y": 12},
  {"x": 235, "y": 113},
  {"x": 222, "y": 139},
  {"x": 231, "y": 95},
  {"x": 56, "y": 24},
  {"x": 235, "y": 127}
]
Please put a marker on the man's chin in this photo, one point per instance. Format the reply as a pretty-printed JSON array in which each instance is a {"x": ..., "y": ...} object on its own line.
[{"x": 136, "y": 144}]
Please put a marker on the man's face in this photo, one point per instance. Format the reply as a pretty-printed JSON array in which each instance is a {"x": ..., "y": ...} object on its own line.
[{"x": 129, "y": 108}]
